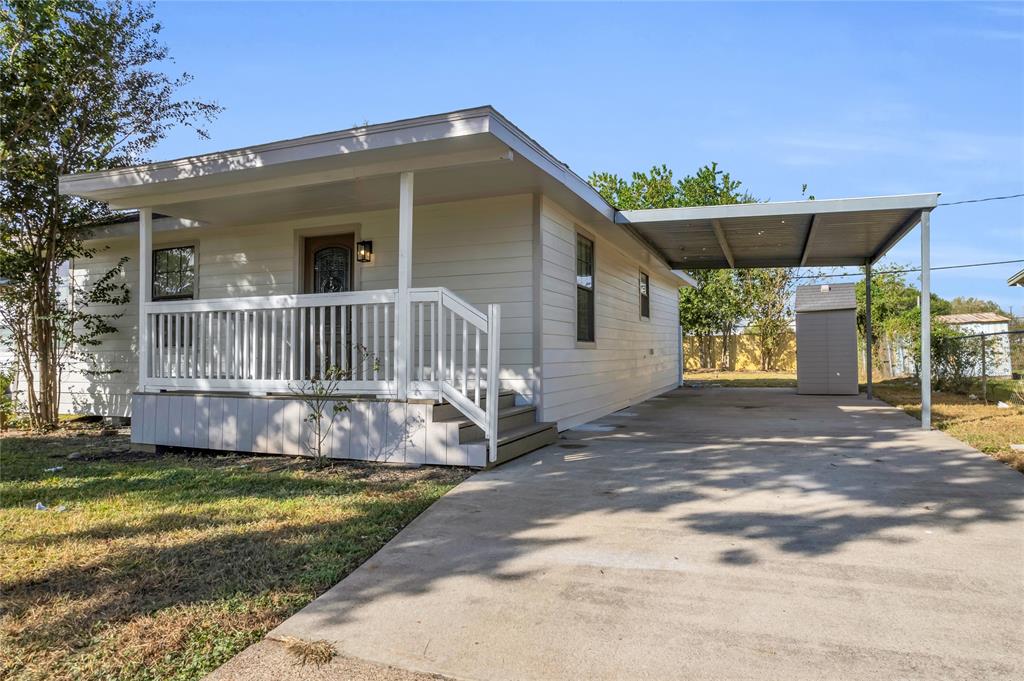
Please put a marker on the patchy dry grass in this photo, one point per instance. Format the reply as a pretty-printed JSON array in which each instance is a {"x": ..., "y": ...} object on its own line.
[
  {"x": 984, "y": 426},
  {"x": 741, "y": 379},
  {"x": 317, "y": 653},
  {"x": 163, "y": 567}
]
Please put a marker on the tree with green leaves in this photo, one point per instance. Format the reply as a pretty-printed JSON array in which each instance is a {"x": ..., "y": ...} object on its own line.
[
  {"x": 769, "y": 293},
  {"x": 966, "y": 304},
  {"x": 716, "y": 306},
  {"x": 81, "y": 89},
  {"x": 895, "y": 316}
]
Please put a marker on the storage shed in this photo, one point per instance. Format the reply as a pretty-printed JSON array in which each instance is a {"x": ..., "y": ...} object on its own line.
[{"x": 826, "y": 340}]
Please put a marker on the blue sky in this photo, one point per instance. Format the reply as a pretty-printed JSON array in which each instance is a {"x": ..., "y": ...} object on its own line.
[{"x": 853, "y": 99}]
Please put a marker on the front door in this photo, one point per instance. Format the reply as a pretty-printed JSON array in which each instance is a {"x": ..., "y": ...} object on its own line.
[{"x": 328, "y": 265}]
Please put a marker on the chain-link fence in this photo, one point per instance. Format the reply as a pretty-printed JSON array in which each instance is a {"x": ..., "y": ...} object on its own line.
[{"x": 986, "y": 366}]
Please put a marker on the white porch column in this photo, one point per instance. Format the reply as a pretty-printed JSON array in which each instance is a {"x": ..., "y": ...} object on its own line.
[
  {"x": 403, "y": 309},
  {"x": 926, "y": 321},
  {"x": 868, "y": 344},
  {"x": 145, "y": 292}
]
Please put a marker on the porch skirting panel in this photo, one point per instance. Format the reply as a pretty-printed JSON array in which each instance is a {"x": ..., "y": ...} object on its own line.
[{"x": 371, "y": 430}]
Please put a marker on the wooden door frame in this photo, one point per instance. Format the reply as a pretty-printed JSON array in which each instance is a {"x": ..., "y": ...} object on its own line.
[
  {"x": 299, "y": 251},
  {"x": 346, "y": 240}
]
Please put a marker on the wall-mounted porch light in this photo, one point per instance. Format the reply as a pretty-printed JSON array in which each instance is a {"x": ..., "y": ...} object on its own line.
[{"x": 364, "y": 251}]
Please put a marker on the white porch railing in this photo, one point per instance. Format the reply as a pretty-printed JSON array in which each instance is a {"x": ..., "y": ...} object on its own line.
[{"x": 277, "y": 343}]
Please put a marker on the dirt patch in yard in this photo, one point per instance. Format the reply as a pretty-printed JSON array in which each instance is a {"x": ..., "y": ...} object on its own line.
[{"x": 163, "y": 566}]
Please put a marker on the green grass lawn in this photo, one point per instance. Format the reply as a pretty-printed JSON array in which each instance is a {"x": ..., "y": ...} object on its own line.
[{"x": 163, "y": 567}]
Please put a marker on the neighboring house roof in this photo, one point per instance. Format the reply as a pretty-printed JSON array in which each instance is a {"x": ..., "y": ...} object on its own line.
[
  {"x": 823, "y": 297},
  {"x": 1017, "y": 279},
  {"x": 972, "y": 318},
  {"x": 480, "y": 152}
]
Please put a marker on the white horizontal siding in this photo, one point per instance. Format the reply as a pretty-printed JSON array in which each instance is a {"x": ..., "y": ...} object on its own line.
[
  {"x": 632, "y": 359},
  {"x": 480, "y": 249}
]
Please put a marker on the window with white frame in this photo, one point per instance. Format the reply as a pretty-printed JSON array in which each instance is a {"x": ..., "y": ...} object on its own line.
[{"x": 584, "y": 289}]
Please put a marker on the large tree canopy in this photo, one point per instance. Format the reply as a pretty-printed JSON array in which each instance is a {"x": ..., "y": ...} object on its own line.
[{"x": 82, "y": 88}]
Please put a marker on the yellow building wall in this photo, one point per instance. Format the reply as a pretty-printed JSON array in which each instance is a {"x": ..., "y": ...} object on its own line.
[{"x": 744, "y": 354}]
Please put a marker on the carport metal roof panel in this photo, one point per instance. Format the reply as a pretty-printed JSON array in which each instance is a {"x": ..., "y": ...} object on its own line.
[{"x": 821, "y": 233}]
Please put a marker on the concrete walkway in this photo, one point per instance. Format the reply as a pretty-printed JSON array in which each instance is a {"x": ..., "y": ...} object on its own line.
[{"x": 706, "y": 534}]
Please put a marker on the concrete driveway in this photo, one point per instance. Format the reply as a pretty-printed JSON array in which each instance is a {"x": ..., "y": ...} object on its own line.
[{"x": 706, "y": 534}]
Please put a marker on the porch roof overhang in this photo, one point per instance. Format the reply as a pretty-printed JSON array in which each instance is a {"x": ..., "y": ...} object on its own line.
[
  {"x": 831, "y": 232},
  {"x": 456, "y": 155}
]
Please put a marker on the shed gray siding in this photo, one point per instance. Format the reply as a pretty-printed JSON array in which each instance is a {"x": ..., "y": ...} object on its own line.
[{"x": 826, "y": 340}]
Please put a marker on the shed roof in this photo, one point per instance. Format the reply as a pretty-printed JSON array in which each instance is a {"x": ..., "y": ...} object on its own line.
[
  {"x": 820, "y": 298},
  {"x": 972, "y": 318}
]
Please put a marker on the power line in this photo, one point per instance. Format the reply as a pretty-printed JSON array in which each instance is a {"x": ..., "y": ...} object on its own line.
[
  {"x": 913, "y": 269},
  {"x": 989, "y": 198}
]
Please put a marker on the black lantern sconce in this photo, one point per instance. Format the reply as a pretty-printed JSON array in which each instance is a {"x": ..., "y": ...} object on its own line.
[{"x": 364, "y": 251}]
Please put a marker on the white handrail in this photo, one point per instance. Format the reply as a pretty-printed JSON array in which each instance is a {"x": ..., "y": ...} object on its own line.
[{"x": 462, "y": 388}]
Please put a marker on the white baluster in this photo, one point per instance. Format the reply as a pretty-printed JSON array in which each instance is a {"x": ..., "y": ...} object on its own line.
[
  {"x": 303, "y": 335},
  {"x": 388, "y": 345},
  {"x": 465, "y": 357},
  {"x": 454, "y": 342},
  {"x": 476, "y": 369},
  {"x": 419, "y": 342},
  {"x": 376, "y": 347},
  {"x": 323, "y": 344}
]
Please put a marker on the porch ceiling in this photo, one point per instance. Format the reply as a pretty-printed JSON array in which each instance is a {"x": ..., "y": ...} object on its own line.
[{"x": 821, "y": 233}]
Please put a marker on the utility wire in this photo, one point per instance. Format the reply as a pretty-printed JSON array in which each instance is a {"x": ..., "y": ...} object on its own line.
[
  {"x": 990, "y": 198},
  {"x": 906, "y": 271}
]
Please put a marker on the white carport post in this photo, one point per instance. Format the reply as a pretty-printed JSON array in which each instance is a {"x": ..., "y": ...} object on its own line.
[
  {"x": 145, "y": 292},
  {"x": 403, "y": 308},
  {"x": 926, "y": 321},
  {"x": 868, "y": 355}
]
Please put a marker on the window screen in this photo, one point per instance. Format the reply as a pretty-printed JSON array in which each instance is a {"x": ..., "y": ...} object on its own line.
[
  {"x": 584, "y": 289},
  {"x": 174, "y": 273},
  {"x": 645, "y": 296}
]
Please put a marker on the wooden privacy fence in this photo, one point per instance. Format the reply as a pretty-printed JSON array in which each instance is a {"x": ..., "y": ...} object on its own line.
[{"x": 744, "y": 353}]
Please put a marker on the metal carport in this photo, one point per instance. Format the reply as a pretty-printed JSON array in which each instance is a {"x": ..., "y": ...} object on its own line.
[{"x": 815, "y": 233}]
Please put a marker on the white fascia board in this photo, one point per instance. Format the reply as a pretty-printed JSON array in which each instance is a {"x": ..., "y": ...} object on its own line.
[
  {"x": 685, "y": 278},
  {"x": 778, "y": 209},
  {"x": 425, "y": 129},
  {"x": 526, "y": 147}
]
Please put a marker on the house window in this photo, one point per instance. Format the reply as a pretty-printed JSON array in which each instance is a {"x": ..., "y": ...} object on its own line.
[
  {"x": 174, "y": 273},
  {"x": 584, "y": 289},
  {"x": 645, "y": 296}
]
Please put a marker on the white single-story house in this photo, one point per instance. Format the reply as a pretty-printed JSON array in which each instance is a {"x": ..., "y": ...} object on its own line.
[
  {"x": 476, "y": 293},
  {"x": 993, "y": 327}
]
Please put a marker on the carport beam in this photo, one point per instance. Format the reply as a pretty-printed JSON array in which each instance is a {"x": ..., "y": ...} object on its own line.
[
  {"x": 722, "y": 243},
  {"x": 868, "y": 345},
  {"x": 926, "y": 321}
]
